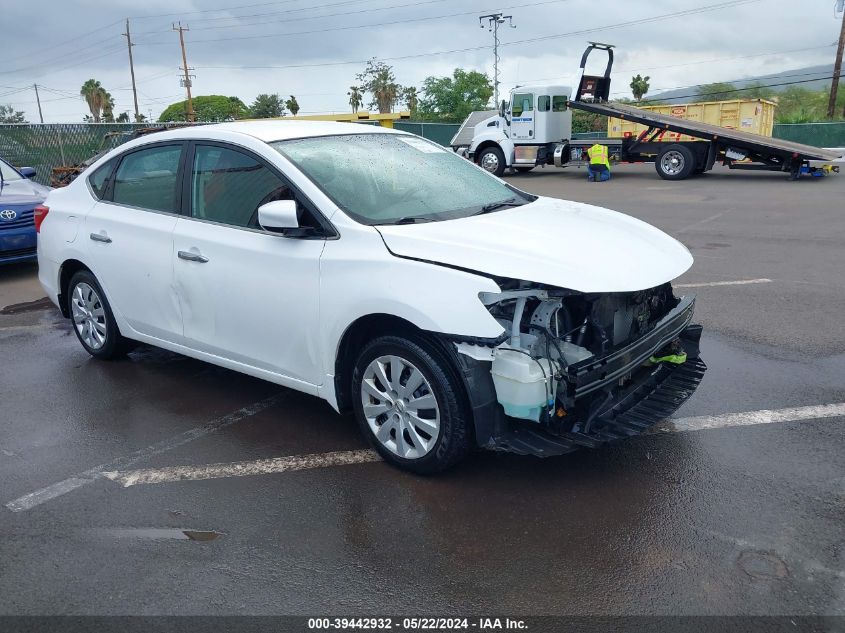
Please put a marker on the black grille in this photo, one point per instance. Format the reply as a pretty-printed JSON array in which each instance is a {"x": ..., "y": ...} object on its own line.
[{"x": 18, "y": 252}]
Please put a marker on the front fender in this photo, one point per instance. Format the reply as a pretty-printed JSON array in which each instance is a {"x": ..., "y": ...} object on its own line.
[{"x": 360, "y": 277}]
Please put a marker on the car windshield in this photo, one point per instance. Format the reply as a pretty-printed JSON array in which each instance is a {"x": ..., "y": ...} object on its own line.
[
  {"x": 8, "y": 172},
  {"x": 395, "y": 178}
]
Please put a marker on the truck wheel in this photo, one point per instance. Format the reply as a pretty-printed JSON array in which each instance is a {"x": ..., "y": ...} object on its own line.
[
  {"x": 493, "y": 160},
  {"x": 410, "y": 404},
  {"x": 675, "y": 162},
  {"x": 523, "y": 170}
]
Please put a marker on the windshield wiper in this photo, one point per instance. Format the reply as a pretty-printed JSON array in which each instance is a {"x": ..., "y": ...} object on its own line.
[
  {"x": 493, "y": 206},
  {"x": 412, "y": 219}
]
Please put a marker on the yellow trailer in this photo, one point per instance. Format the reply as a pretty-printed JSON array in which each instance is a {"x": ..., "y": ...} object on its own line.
[{"x": 747, "y": 115}]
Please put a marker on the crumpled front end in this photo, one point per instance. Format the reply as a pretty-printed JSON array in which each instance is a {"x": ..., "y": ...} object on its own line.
[{"x": 577, "y": 370}]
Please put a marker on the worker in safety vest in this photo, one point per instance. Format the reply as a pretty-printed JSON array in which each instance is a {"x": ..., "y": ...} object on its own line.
[{"x": 598, "y": 170}]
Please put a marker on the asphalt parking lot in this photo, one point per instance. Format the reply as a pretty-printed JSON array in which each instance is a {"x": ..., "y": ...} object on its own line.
[{"x": 108, "y": 504}]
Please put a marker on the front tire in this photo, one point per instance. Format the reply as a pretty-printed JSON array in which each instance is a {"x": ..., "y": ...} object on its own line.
[
  {"x": 492, "y": 159},
  {"x": 92, "y": 317},
  {"x": 675, "y": 162},
  {"x": 410, "y": 404}
]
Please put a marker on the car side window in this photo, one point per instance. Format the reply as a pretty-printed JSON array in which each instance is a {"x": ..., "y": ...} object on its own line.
[
  {"x": 544, "y": 103},
  {"x": 228, "y": 186},
  {"x": 559, "y": 103},
  {"x": 99, "y": 180},
  {"x": 148, "y": 178}
]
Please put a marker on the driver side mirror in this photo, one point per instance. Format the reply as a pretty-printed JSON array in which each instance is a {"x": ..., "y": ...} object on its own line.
[
  {"x": 278, "y": 216},
  {"x": 503, "y": 108},
  {"x": 27, "y": 172}
]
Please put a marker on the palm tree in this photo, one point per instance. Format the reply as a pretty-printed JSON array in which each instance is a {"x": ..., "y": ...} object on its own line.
[
  {"x": 411, "y": 98},
  {"x": 356, "y": 99},
  {"x": 96, "y": 97},
  {"x": 385, "y": 90}
]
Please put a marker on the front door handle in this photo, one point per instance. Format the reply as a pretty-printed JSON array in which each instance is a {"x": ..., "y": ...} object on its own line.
[
  {"x": 100, "y": 237},
  {"x": 192, "y": 257}
]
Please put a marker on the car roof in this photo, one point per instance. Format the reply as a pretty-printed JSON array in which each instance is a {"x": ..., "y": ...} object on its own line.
[{"x": 276, "y": 129}]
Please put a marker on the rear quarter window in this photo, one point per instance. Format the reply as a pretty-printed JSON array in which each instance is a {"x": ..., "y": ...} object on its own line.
[{"x": 99, "y": 180}]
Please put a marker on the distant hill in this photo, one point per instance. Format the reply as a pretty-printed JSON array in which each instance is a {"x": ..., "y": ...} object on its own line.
[{"x": 812, "y": 78}]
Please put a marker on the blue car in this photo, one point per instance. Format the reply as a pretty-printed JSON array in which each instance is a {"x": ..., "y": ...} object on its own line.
[{"x": 19, "y": 196}]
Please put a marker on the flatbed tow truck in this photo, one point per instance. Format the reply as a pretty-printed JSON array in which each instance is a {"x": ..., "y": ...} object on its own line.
[{"x": 534, "y": 129}]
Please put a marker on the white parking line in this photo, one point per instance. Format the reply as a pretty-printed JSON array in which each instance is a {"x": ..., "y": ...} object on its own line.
[
  {"x": 346, "y": 458},
  {"x": 748, "y": 418},
  {"x": 60, "y": 488},
  {"x": 242, "y": 469},
  {"x": 738, "y": 282}
]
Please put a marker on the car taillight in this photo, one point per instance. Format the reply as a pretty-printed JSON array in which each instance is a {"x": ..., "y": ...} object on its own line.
[{"x": 39, "y": 213}]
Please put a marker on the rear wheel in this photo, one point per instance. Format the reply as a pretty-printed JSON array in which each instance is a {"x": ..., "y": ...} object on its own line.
[
  {"x": 493, "y": 160},
  {"x": 409, "y": 404},
  {"x": 675, "y": 162},
  {"x": 93, "y": 320}
]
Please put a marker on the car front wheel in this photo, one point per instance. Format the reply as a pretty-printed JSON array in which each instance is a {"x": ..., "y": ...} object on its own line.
[
  {"x": 93, "y": 320},
  {"x": 409, "y": 404}
]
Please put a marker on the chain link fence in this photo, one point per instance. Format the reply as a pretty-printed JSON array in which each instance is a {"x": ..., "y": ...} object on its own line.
[{"x": 51, "y": 145}]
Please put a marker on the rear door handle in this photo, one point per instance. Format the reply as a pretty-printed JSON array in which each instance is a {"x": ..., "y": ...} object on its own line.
[
  {"x": 101, "y": 237},
  {"x": 192, "y": 257}
]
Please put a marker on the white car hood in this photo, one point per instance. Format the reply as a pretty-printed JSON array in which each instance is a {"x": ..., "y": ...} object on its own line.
[{"x": 549, "y": 241}]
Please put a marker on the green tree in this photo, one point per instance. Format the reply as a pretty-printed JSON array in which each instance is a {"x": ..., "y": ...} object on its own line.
[
  {"x": 356, "y": 99},
  {"x": 639, "y": 86},
  {"x": 293, "y": 105},
  {"x": 267, "y": 106},
  {"x": 378, "y": 79},
  {"x": 207, "y": 108},
  {"x": 96, "y": 97},
  {"x": 123, "y": 117},
  {"x": 9, "y": 115},
  {"x": 453, "y": 98},
  {"x": 716, "y": 92}
]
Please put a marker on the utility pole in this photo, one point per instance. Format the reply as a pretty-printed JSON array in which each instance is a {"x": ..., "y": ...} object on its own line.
[
  {"x": 38, "y": 99},
  {"x": 129, "y": 44},
  {"x": 187, "y": 79},
  {"x": 837, "y": 71},
  {"x": 493, "y": 22}
]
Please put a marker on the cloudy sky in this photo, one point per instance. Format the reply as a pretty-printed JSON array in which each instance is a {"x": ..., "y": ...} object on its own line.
[{"x": 314, "y": 48}]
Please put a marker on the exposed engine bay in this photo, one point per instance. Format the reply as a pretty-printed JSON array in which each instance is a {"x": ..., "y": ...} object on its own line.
[{"x": 572, "y": 361}]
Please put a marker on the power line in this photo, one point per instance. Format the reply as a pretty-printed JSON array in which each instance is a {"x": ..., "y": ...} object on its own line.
[
  {"x": 360, "y": 26},
  {"x": 675, "y": 14}
]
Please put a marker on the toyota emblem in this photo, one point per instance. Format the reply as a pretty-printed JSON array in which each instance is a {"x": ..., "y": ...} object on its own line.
[{"x": 8, "y": 214}]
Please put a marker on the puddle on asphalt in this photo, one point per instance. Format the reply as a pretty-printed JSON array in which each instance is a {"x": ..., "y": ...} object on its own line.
[
  {"x": 164, "y": 533},
  {"x": 29, "y": 306},
  {"x": 763, "y": 565}
]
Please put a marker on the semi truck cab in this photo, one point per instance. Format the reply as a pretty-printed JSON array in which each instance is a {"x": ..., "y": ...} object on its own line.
[{"x": 525, "y": 130}]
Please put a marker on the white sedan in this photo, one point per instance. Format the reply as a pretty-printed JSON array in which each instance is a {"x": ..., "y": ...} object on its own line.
[{"x": 382, "y": 273}]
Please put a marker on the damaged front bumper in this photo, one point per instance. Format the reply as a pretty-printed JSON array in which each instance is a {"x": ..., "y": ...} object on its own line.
[
  {"x": 618, "y": 395},
  {"x": 652, "y": 394}
]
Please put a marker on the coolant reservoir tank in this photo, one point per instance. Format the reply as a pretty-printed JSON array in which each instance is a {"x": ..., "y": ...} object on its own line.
[{"x": 523, "y": 385}]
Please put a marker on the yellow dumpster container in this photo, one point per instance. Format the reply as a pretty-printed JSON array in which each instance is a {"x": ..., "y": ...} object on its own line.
[{"x": 748, "y": 115}]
